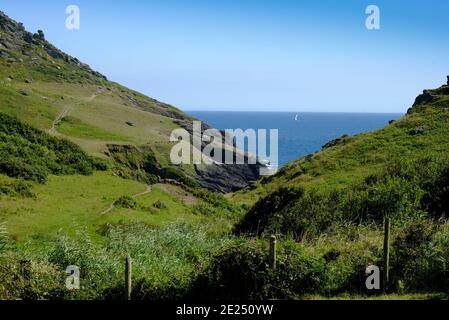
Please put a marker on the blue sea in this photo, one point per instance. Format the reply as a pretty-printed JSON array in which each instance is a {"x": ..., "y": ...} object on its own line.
[{"x": 302, "y": 137}]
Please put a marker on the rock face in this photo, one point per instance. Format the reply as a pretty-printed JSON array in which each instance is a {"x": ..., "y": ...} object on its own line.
[
  {"x": 222, "y": 177},
  {"x": 226, "y": 178},
  {"x": 435, "y": 97}
]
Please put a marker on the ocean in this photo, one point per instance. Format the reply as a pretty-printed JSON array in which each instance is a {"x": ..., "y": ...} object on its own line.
[{"x": 302, "y": 137}]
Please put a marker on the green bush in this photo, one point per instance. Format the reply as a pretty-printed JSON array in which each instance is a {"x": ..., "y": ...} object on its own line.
[
  {"x": 31, "y": 154},
  {"x": 159, "y": 205},
  {"x": 27, "y": 279},
  {"x": 420, "y": 258},
  {"x": 16, "y": 188},
  {"x": 393, "y": 197},
  {"x": 241, "y": 271},
  {"x": 126, "y": 202},
  {"x": 266, "y": 214},
  {"x": 436, "y": 199}
]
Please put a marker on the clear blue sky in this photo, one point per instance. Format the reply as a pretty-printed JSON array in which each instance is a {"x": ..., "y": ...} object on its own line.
[{"x": 256, "y": 55}]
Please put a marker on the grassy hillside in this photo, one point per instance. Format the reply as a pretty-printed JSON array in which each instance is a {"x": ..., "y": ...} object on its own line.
[
  {"x": 328, "y": 209},
  {"x": 59, "y": 205},
  {"x": 85, "y": 179},
  {"x": 423, "y": 132},
  {"x": 64, "y": 97}
]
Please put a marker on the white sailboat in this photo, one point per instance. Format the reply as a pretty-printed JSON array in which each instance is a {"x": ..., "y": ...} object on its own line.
[{"x": 297, "y": 117}]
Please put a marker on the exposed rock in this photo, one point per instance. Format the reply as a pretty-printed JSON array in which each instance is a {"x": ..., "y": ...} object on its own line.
[
  {"x": 423, "y": 98},
  {"x": 336, "y": 142},
  {"x": 226, "y": 178},
  {"x": 417, "y": 131},
  {"x": 40, "y": 35},
  {"x": 28, "y": 81}
]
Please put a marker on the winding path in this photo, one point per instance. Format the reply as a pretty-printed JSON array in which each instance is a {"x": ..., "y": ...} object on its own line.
[
  {"x": 65, "y": 111},
  {"x": 112, "y": 206}
]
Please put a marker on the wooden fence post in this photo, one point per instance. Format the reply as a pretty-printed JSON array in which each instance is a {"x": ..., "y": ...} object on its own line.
[
  {"x": 386, "y": 257},
  {"x": 128, "y": 277},
  {"x": 273, "y": 252}
]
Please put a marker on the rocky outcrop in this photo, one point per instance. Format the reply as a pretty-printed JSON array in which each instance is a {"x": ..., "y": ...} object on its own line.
[
  {"x": 336, "y": 142},
  {"x": 14, "y": 37},
  {"x": 226, "y": 178},
  {"x": 435, "y": 97}
]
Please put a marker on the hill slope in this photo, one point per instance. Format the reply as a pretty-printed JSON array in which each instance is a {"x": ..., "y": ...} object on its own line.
[
  {"x": 410, "y": 147},
  {"x": 66, "y": 98}
]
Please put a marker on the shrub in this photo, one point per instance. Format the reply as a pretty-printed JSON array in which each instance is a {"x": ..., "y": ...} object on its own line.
[
  {"x": 241, "y": 272},
  {"x": 126, "y": 202},
  {"x": 420, "y": 258},
  {"x": 390, "y": 197},
  {"x": 267, "y": 212},
  {"x": 28, "y": 153},
  {"x": 16, "y": 188},
  {"x": 436, "y": 199},
  {"x": 27, "y": 279},
  {"x": 159, "y": 205}
]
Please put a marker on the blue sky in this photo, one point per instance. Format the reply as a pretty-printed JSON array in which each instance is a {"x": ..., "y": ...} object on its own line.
[{"x": 256, "y": 55}]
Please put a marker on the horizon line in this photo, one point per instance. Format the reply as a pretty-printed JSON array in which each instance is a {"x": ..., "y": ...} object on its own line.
[{"x": 284, "y": 111}]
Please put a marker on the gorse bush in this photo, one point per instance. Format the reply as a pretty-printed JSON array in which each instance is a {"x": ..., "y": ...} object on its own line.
[
  {"x": 436, "y": 198},
  {"x": 31, "y": 154}
]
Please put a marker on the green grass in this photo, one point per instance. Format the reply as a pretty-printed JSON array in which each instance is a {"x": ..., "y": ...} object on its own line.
[
  {"x": 71, "y": 126},
  {"x": 64, "y": 204},
  {"x": 67, "y": 203}
]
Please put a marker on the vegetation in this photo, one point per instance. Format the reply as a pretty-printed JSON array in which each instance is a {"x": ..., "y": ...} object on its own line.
[
  {"x": 30, "y": 154},
  {"x": 78, "y": 152},
  {"x": 126, "y": 202}
]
